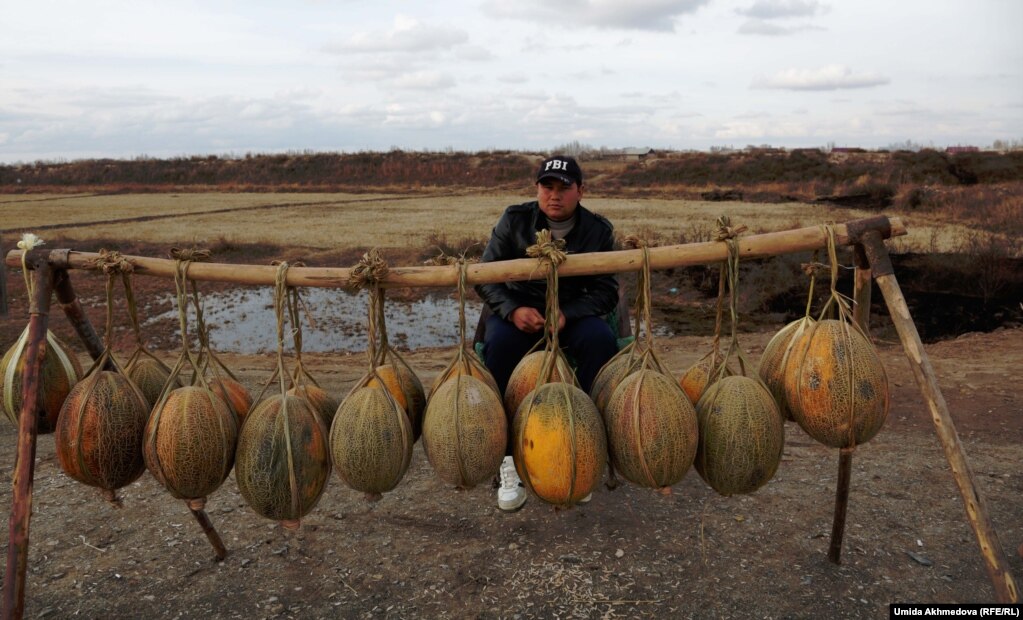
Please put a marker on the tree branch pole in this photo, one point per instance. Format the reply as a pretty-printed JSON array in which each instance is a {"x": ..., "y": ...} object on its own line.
[
  {"x": 861, "y": 314},
  {"x": 3, "y": 280},
  {"x": 752, "y": 246},
  {"x": 976, "y": 510},
  {"x": 24, "y": 468}
]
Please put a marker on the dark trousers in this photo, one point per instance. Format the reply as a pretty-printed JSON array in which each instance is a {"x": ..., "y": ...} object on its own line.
[{"x": 589, "y": 341}]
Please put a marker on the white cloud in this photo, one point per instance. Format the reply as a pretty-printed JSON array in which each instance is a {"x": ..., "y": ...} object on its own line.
[
  {"x": 831, "y": 77},
  {"x": 408, "y": 35},
  {"x": 774, "y": 9},
  {"x": 658, "y": 15},
  {"x": 771, "y": 29},
  {"x": 424, "y": 80}
]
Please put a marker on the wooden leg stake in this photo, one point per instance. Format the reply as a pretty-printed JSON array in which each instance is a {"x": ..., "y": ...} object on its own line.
[
  {"x": 75, "y": 314},
  {"x": 211, "y": 532},
  {"x": 976, "y": 511},
  {"x": 24, "y": 468}
]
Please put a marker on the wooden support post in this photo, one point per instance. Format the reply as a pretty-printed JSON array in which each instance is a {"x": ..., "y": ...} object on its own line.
[
  {"x": 861, "y": 314},
  {"x": 976, "y": 511},
  {"x": 24, "y": 468},
  {"x": 211, "y": 532},
  {"x": 75, "y": 314}
]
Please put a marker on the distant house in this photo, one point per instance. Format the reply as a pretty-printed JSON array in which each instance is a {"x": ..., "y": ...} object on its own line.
[
  {"x": 962, "y": 149},
  {"x": 635, "y": 154}
]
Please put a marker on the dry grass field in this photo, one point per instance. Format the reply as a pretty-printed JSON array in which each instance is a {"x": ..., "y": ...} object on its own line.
[{"x": 388, "y": 221}]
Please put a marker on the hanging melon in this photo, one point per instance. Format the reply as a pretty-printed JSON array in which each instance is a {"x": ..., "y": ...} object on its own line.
[
  {"x": 467, "y": 364},
  {"x": 371, "y": 441},
  {"x": 59, "y": 372},
  {"x": 611, "y": 374},
  {"x": 282, "y": 462},
  {"x": 150, "y": 375},
  {"x": 695, "y": 379},
  {"x": 526, "y": 375},
  {"x": 99, "y": 433},
  {"x": 652, "y": 429},
  {"x": 742, "y": 435},
  {"x": 322, "y": 402},
  {"x": 465, "y": 431},
  {"x": 233, "y": 393},
  {"x": 836, "y": 385},
  {"x": 771, "y": 369},
  {"x": 190, "y": 442},
  {"x": 406, "y": 389},
  {"x": 559, "y": 444}
]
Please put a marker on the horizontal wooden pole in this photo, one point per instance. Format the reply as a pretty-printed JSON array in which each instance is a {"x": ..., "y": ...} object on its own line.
[{"x": 665, "y": 257}]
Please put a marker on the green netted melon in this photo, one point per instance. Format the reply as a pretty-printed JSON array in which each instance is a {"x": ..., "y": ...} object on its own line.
[
  {"x": 150, "y": 375},
  {"x": 282, "y": 462},
  {"x": 190, "y": 442},
  {"x": 772, "y": 363},
  {"x": 651, "y": 429},
  {"x": 694, "y": 380},
  {"x": 99, "y": 432},
  {"x": 526, "y": 375},
  {"x": 742, "y": 435},
  {"x": 407, "y": 390},
  {"x": 371, "y": 441},
  {"x": 835, "y": 384},
  {"x": 60, "y": 372},
  {"x": 465, "y": 431},
  {"x": 559, "y": 444},
  {"x": 322, "y": 402}
]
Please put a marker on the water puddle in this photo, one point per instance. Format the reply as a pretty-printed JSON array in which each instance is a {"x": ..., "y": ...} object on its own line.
[{"x": 242, "y": 321}]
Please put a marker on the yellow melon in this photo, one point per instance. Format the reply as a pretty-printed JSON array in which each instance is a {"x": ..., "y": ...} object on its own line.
[
  {"x": 526, "y": 375},
  {"x": 407, "y": 391},
  {"x": 60, "y": 372},
  {"x": 772, "y": 363},
  {"x": 559, "y": 444}
]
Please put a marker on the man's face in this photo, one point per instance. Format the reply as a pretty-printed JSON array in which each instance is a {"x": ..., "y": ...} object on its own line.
[{"x": 558, "y": 201}]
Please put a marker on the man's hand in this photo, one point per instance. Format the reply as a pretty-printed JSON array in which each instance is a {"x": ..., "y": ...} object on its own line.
[
  {"x": 527, "y": 319},
  {"x": 531, "y": 321}
]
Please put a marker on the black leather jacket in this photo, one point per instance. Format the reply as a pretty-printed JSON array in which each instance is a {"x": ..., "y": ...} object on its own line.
[{"x": 578, "y": 296}]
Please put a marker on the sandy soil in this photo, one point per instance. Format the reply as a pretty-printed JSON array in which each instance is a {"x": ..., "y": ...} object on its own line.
[{"x": 426, "y": 550}]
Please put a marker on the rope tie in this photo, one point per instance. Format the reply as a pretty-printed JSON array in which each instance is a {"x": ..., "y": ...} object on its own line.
[
  {"x": 633, "y": 242},
  {"x": 547, "y": 248},
  {"x": 725, "y": 230},
  {"x": 193, "y": 255},
  {"x": 112, "y": 262},
  {"x": 369, "y": 271}
]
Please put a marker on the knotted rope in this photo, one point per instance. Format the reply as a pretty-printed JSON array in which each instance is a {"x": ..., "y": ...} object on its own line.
[{"x": 29, "y": 241}]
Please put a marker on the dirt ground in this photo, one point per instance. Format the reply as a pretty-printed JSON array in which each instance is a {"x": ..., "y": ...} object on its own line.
[{"x": 427, "y": 550}]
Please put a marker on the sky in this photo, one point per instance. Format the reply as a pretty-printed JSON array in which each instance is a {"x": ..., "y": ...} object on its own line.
[{"x": 145, "y": 78}]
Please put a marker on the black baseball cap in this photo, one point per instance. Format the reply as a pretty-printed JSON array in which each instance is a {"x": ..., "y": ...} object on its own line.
[{"x": 560, "y": 167}]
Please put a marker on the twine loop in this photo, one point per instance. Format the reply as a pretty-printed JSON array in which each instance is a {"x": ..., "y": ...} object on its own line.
[
  {"x": 547, "y": 248},
  {"x": 633, "y": 242},
  {"x": 28, "y": 242},
  {"x": 369, "y": 271}
]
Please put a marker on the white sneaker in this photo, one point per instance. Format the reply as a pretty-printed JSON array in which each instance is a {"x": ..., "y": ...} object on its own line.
[
  {"x": 586, "y": 500},
  {"x": 511, "y": 495}
]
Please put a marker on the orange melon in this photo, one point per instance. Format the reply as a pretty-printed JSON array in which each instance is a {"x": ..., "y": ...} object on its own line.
[
  {"x": 526, "y": 375},
  {"x": 282, "y": 461},
  {"x": 234, "y": 394},
  {"x": 559, "y": 444},
  {"x": 371, "y": 441},
  {"x": 772, "y": 363},
  {"x": 99, "y": 432},
  {"x": 60, "y": 371},
  {"x": 322, "y": 402},
  {"x": 465, "y": 364},
  {"x": 694, "y": 380},
  {"x": 651, "y": 429},
  {"x": 407, "y": 391},
  {"x": 190, "y": 442},
  {"x": 836, "y": 385},
  {"x": 742, "y": 435},
  {"x": 465, "y": 431},
  {"x": 150, "y": 375},
  {"x": 611, "y": 374}
]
